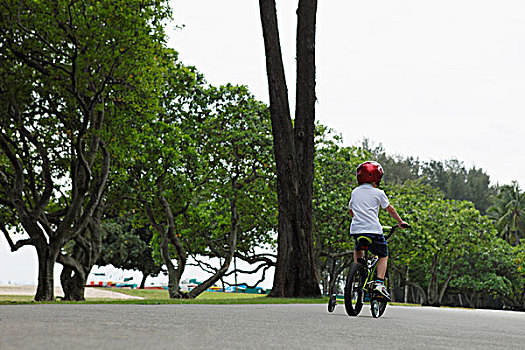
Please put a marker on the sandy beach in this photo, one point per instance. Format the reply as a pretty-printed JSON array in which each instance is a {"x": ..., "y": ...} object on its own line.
[{"x": 90, "y": 292}]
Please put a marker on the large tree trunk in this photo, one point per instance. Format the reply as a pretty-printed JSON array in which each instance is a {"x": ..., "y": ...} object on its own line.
[
  {"x": 295, "y": 273},
  {"x": 88, "y": 240},
  {"x": 46, "y": 264},
  {"x": 74, "y": 274},
  {"x": 73, "y": 284},
  {"x": 78, "y": 264},
  {"x": 295, "y": 269}
]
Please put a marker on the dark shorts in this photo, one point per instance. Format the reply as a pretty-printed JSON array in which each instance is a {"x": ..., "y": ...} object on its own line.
[{"x": 378, "y": 246}]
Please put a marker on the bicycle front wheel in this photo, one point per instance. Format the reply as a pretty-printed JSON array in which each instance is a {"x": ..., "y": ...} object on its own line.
[
  {"x": 354, "y": 289},
  {"x": 378, "y": 304},
  {"x": 377, "y": 307}
]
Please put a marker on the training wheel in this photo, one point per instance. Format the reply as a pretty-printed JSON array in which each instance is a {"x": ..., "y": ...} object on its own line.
[{"x": 331, "y": 303}]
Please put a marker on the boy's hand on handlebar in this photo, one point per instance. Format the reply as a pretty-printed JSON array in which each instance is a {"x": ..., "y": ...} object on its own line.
[{"x": 403, "y": 225}]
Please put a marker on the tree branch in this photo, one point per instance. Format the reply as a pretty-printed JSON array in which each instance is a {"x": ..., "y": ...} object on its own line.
[
  {"x": 336, "y": 255},
  {"x": 46, "y": 170},
  {"x": 266, "y": 258},
  {"x": 15, "y": 162},
  {"x": 19, "y": 244},
  {"x": 69, "y": 261},
  {"x": 263, "y": 277},
  {"x": 7, "y": 237}
]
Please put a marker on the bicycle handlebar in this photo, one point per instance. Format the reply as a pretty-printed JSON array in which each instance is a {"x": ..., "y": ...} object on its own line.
[{"x": 393, "y": 229}]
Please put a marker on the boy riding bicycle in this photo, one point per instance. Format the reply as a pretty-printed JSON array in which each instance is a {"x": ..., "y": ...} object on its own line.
[{"x": 364, "y": 209}]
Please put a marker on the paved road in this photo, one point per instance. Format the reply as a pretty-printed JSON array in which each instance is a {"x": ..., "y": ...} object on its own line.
[{"x": 254, "y": 327}]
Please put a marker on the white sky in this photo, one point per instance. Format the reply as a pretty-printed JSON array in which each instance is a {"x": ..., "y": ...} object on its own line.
[{"x": 430, "y": 79}]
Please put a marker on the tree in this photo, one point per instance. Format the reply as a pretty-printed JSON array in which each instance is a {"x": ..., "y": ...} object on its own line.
[
  {"x": 238, "y": 201},
  {"x": 479, "y": 190},
  {"x": 127, "y": 247},
  {"x": 450, "y": 176},
  {"x": 511, "y": 269},
  {"x": 508, "y": 211},
  {"x": 236, "y": 211},
  {"x": 295, "y": 273},
  {"x": 442, "y": 243},
  {"x": 485, "y": 271},
  {"x": 167, "y": 159},
  {"x": 196, "y": 156},
  {"x": 63, "y": 65}
]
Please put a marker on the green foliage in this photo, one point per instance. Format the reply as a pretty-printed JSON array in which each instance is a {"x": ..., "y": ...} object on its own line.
[
  {"x": 430, "y": 250},
  {"x": 241, "y": 178},
  {"x": 450, "y": 245},
  {"x": 450, "y": 176},
  {"x": 240, "y": 199},
  {"x": 67, "y": 68},
  {"x": 506, "y": 268},
  {"x": 199, "y": 167},
  {"x": 127, "y": 247},
  {"x": 508, "y": 211}
]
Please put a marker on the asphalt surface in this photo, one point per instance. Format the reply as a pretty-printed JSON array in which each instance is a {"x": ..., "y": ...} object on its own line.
[{"x": 254, "y": 327}]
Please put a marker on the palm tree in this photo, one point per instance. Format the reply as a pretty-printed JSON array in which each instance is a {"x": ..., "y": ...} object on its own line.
[{"x": 508, "y": 211}]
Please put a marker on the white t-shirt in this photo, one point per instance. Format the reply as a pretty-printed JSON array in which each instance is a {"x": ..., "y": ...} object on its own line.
[{"x": 365, "y": 203}]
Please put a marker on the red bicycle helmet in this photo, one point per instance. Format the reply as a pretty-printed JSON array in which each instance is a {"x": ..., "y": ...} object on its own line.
[{"x": 369, "y": 172}]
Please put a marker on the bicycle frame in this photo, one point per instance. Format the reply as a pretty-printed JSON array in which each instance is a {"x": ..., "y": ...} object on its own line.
[{"x": 370, "y": 268}]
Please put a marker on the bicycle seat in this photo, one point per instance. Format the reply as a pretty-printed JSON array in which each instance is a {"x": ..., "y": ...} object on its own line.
[{"x": 364, "y": 242}]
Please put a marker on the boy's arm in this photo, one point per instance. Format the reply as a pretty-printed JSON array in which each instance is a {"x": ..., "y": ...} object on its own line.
[
  {"x": 393, "y": 213},
  {"x": 351, "y": 213}
]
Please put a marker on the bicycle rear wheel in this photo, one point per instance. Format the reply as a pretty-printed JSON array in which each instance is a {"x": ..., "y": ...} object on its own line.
[{"x": 354, "y": 289}]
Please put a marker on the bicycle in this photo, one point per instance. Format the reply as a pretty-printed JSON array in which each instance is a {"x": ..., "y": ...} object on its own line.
[{"x": 359, "y": 285}]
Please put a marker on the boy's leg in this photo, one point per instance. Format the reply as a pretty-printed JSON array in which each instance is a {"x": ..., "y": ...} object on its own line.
[
  {"x": 381, "y": 272},
  {"x": 359, "y": 257},
  {"x": 381, "y": 249},
  {"x": 381, "y": 267},
  {"x": 358, "y": 254}
]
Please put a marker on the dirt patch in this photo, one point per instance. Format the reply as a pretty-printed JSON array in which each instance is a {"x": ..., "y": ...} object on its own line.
[{"x": 90, "y": 292}]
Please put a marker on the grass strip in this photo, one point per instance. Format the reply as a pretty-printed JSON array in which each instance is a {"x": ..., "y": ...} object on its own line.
[{"x": 159, "y": 297}]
